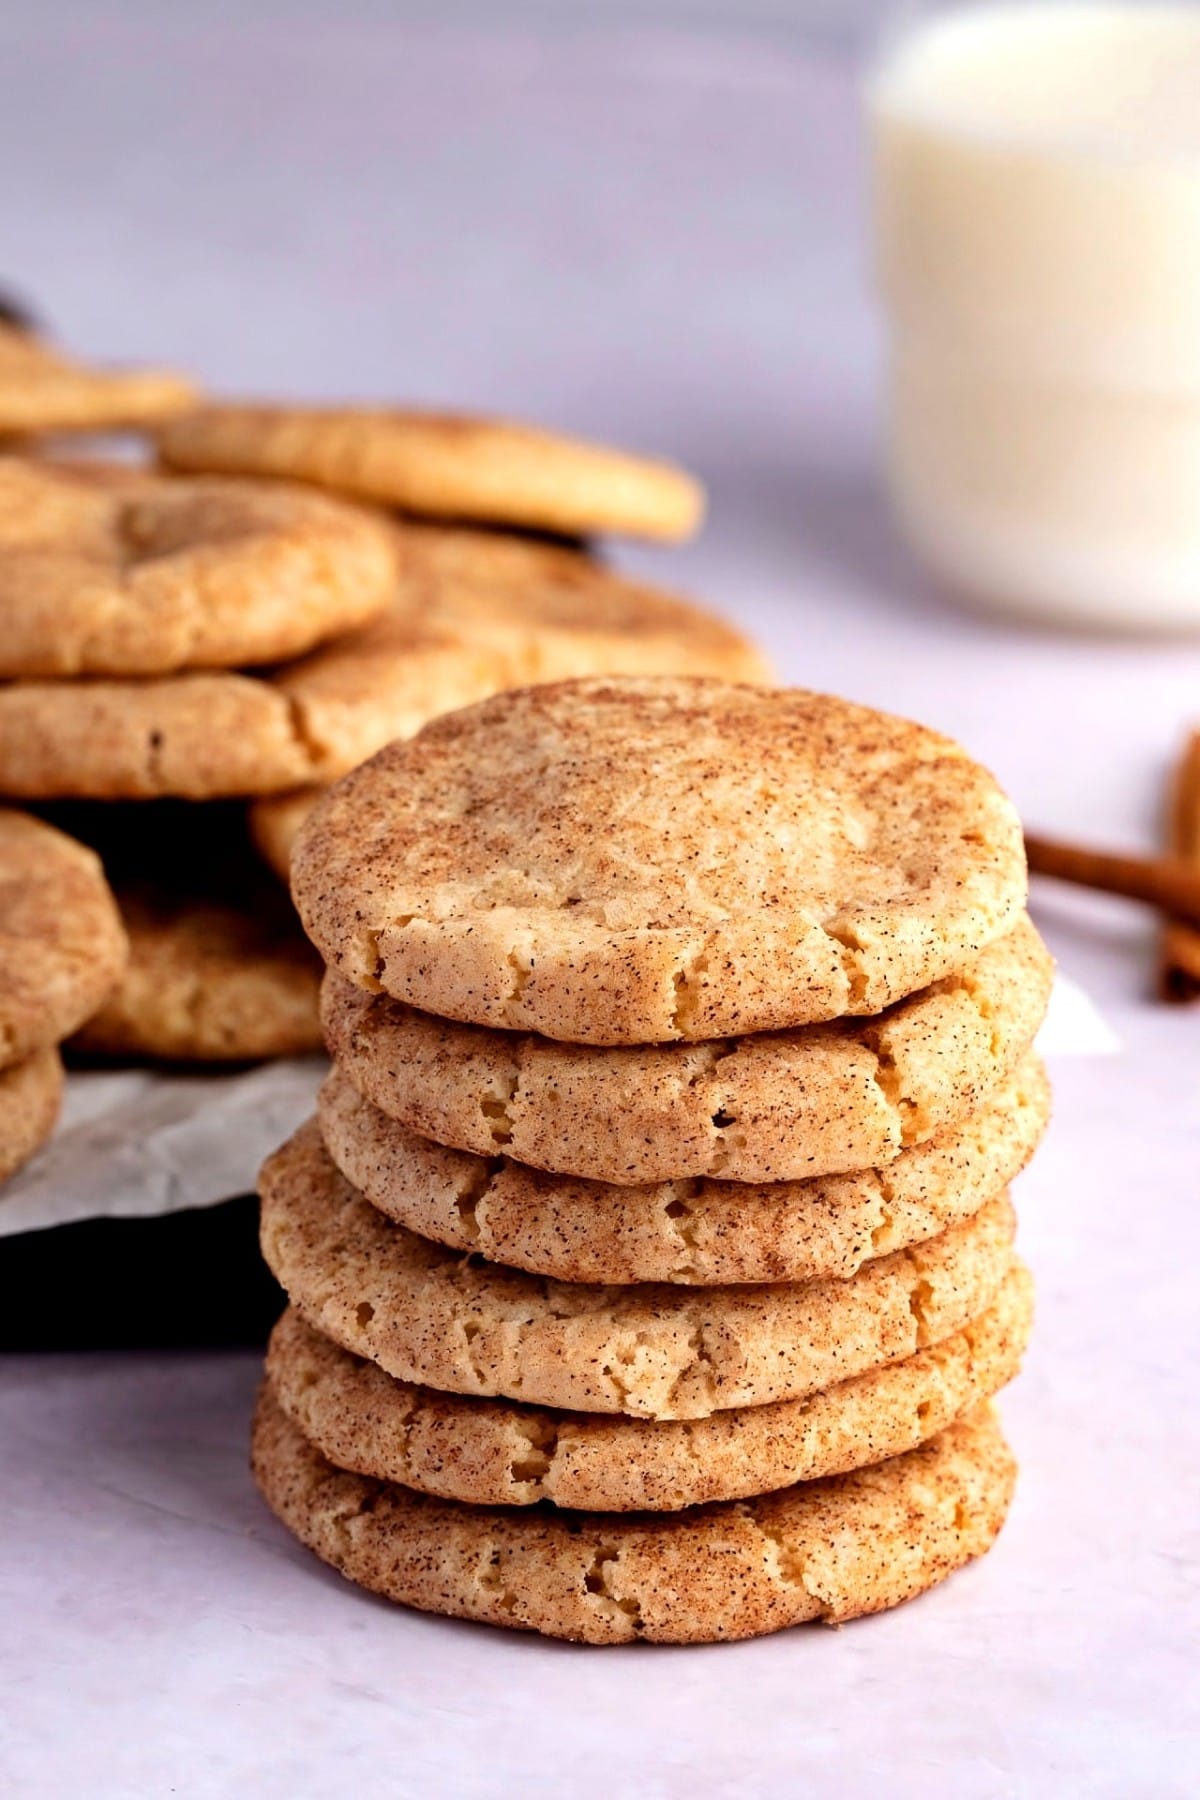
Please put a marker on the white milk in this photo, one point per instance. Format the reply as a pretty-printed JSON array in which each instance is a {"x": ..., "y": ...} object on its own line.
[{"x": 1037, "y": 175}]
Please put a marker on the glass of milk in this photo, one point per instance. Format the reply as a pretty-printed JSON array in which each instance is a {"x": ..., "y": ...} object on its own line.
[{"x": 1037, "y": 206}]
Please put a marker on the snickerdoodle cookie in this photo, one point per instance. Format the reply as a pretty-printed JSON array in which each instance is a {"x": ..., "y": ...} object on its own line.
[
  {"x": 429, "y": 1315},
  {"x": 500, "y": 1453},
  {"x": 827, "y": 1550},
  {"x": 62, "y": 948},
  {"x": 43, "y": 390},
  {"x": 774, "y": 1106},
  {"x": 631, "y": 861},
  {"x": 219, "y": 970},
  {"x": 699, "y": 1232},
  {"x": 122, "y": 572},
  {"x": 445, "y": 466}
]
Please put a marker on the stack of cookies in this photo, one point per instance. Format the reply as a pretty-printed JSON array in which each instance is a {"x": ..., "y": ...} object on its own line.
[
  {"x": 650, "y": 1261},
  {"x": 220, "y": 631}
]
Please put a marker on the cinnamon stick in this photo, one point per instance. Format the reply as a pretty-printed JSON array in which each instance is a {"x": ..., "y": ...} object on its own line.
[
  {"x": 1179, "y": 945},
  {"x": 1170, "y": 883}
]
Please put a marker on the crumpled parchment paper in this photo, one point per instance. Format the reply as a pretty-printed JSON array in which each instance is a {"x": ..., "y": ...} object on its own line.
[{"x": 134, "y": 1143}]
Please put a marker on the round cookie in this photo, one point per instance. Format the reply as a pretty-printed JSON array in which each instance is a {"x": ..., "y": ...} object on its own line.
[
  {"x": 122, "y": 572},
  {"x": 204, "y": 735},
  {"x": 445, "y": 466},
  {"x": 780, "y": 1106},
  {"x": 498, "y": 1453},
  {"x": 30, "y": 1098},
  {"x": 794, "y": 859},
  {"x": 62, "y": 949},
  {"x": 828, "y": 1550},
  {"x": 42, "y": 390},
  {"x": 698, "y": 1233},
  {"x": 219, "y": 970},
  {"x": 429, "y": 1315}
]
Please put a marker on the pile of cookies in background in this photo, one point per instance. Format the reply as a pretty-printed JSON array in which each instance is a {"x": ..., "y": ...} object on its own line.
[
  {"x": 197, "y": 638},
  {"x": 650, "y": 1259}
]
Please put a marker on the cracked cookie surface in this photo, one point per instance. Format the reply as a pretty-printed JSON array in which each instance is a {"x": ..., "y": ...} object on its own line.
[
  {"x": 430, "y": 1315},
  {"x": 115, "y": 571},
  {"x": 770, "y": 1107},
  {"x": 831, "y": 1549},
  {"x": 499, "y": 1453},
  {"x": 699, "y": 1232},
  {"x": 445, "y": 466},
  {"x": 794, "y": 859},
  {"x": 205, "y": 734}
]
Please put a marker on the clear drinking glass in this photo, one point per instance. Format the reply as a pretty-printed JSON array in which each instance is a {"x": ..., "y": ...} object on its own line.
[{"x": 1037, "y": 227}]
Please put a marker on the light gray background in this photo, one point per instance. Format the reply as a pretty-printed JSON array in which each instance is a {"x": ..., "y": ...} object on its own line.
[{"x": 653, "y": 231}]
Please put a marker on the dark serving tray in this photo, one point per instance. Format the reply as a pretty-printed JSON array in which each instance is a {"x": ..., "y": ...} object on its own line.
[{"x": 183, "y": 1279}]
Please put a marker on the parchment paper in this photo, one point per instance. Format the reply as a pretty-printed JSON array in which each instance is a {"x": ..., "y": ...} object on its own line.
[{"x": 134, "y": 1143}]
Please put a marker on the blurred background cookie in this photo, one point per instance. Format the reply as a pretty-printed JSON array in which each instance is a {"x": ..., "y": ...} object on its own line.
[
  {"x": 106, "y": 570},
  {"x": 30, "y": 1098},
  {"x": 41, "y": 389},
  {"x": 445, "y": 466}
]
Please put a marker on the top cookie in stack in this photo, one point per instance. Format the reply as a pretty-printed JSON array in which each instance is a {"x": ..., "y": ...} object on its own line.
[
  {"x": 703, "y": 1014},
  {"x": 642, "y": 862}
]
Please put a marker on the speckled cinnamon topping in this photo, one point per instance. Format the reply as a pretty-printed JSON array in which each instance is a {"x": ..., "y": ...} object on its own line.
[
  {"x": 426, "y": 1314},
  {"x": 822, "y": 1550},
  {"x": 775, "y": 1106},
  {"x": 500, "y": 1453},
  {"x": 636, "y": 861},
  {"x": 699, "y": 1233}
]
